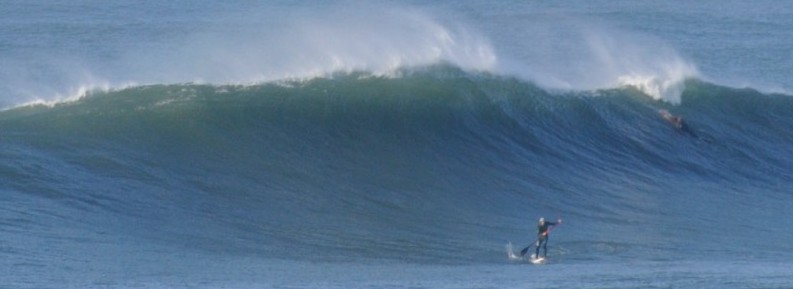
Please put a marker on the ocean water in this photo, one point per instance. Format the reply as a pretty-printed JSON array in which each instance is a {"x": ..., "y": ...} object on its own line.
[{"x": 395, "y": 144}]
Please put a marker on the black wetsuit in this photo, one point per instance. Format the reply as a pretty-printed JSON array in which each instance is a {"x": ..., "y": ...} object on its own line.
[{"x": 542, "y": 238}]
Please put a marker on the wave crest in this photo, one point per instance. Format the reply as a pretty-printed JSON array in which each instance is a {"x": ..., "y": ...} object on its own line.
[{"x": 667, "y": 85}]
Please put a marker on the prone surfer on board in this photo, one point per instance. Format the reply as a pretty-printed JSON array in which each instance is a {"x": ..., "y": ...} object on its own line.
[
  {"x": 674, "y": 120},
  {"x": 542, "y": 236},
  {"x": 677, "y": 122}
]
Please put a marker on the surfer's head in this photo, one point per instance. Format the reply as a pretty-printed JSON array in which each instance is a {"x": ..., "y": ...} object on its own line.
[{"x": 542, "y": 220}]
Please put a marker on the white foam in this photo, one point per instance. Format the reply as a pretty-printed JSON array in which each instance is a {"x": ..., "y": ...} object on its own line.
[
  {"x": 511, "y": 253},
  {"x": 73, "y": 95},
  {"x": 666, "y": 84}
]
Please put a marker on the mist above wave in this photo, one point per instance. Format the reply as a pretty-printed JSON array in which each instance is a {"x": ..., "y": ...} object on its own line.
[{"x": 289, "y": 42}]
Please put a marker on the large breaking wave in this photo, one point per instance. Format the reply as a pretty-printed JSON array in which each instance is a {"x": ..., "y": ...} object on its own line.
[{"x": 420, "y": 167}]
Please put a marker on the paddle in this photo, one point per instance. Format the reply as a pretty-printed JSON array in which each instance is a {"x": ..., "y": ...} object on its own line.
[{"x": 526, "y": 250}]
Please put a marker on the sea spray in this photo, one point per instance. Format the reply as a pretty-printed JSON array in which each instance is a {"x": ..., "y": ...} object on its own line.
[
  {"x": 567, "y": 52},
  {"x": 317, "y": 43}
]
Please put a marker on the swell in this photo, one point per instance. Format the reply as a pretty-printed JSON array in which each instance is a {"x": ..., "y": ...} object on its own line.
[{"x": 419, "y": 167}]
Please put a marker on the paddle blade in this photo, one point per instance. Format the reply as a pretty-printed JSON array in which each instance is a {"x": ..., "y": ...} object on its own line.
[{"x": 524, "y": 251}]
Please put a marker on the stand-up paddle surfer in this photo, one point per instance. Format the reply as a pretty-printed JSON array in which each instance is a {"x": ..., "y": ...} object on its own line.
[{"x": 542, "y": 236}]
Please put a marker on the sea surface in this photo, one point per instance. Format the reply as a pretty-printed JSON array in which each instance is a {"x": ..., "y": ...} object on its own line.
[{"x": 395, "y": 144}]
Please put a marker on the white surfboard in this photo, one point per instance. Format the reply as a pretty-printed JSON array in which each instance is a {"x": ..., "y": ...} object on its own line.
[{"x": 515, "y": 257}]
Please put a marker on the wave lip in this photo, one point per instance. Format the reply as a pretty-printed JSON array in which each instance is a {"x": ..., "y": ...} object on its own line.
[
  {"x": 667, "y": 85},
  {"x": 644, "y": 63}
]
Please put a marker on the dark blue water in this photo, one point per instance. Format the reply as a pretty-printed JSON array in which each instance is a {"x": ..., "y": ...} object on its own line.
[{"x": 188, "y": 147}]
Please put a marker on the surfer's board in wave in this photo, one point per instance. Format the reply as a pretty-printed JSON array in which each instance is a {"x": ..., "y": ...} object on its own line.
[
  {"x": 511, "y": 256},
  {"x": 537, "y": 260}
]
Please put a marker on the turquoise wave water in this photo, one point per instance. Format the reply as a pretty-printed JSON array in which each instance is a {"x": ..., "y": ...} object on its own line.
[{"x": 416, "y": 168}]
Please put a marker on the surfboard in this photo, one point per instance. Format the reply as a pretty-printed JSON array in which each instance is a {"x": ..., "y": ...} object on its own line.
[{"x": 515, "y": 257}]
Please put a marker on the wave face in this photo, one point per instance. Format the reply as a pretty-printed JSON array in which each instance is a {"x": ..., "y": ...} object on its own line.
[{"x": 437, "y": 165}]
